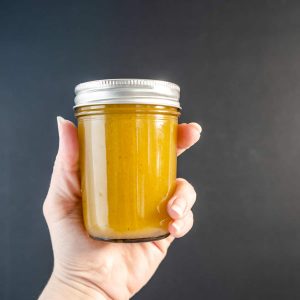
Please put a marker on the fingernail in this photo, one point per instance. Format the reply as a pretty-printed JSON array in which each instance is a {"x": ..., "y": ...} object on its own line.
[
  {"x": 59, "y": 121},
  {"x": 196, "y": 126},
  {"x": 171, "y": 201},
  {"x": 178, "y": 209},
  {"x": 177, "y": 226}
]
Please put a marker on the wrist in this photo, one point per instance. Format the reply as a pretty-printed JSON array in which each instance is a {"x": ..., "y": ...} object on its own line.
[{"x": 60, "y": 289}]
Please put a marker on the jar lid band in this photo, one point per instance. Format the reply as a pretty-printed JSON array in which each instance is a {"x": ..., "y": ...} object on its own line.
[{"x": 127, "y": 91}]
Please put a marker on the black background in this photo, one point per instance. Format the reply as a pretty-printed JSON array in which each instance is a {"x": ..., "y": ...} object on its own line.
[{"x": 238, "y": 65}]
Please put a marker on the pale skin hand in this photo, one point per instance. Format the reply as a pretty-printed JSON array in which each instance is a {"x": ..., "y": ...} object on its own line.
[{"x": 89, "y": 269}]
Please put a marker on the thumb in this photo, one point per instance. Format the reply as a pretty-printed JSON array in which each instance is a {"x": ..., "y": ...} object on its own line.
[
  {"x": 68, "y": 150},
  {"x": 64, "y": 191}
]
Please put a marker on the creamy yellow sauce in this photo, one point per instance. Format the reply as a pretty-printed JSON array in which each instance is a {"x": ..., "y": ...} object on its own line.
[{"x": 128, "y": 169}]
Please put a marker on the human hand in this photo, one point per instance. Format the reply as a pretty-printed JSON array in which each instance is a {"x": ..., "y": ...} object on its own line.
[{"x": 88, "y": 269}]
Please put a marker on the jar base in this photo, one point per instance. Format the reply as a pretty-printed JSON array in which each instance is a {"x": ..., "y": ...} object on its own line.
[{"x": 137, "y": 240}]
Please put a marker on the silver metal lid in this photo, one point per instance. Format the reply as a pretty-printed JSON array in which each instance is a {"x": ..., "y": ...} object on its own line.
[{"x": 127, "y": 91}]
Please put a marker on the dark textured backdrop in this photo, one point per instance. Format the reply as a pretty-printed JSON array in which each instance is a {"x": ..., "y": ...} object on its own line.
[{"x": 238, "y": 64}]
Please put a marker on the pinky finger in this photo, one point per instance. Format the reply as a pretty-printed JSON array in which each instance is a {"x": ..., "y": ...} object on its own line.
[{"x": 181, "y": 227}]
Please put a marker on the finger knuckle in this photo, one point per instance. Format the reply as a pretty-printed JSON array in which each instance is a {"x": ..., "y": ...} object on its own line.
[
  {"x": 185, "y": 183},
  {"x": 191, "y": 216},
  {"x": 189, "y": 222},
  {"x": 45, "y": 209},
  {"x": 194, "y": 193},
  {"x": 191, "y": 190},
  {"x": 181, "y": 180}
]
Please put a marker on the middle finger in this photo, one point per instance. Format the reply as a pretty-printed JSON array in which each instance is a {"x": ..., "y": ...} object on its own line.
[{"x": 182, "y": 201}]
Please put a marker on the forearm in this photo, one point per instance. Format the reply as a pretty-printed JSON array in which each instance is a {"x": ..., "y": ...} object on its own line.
[{"x": 57, "y": 289}]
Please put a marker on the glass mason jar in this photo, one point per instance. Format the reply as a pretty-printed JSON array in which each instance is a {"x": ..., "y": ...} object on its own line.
[{"x": 127, "y": 132}]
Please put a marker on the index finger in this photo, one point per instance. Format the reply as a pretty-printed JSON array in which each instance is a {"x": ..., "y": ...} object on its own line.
[{"x": 188, "y": 135}]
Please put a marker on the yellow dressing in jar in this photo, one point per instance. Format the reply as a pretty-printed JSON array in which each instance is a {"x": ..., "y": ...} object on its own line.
[{"x": 128, "y": 168}]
